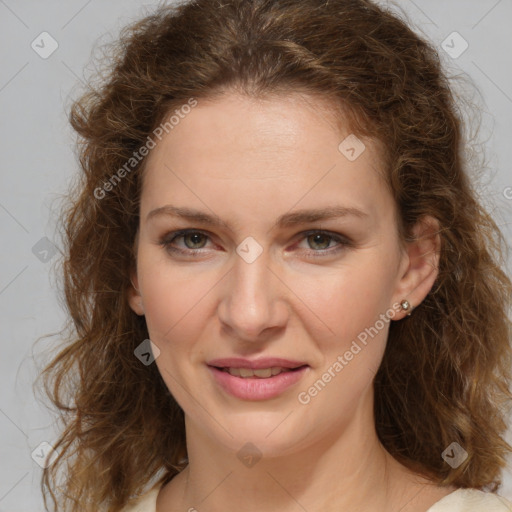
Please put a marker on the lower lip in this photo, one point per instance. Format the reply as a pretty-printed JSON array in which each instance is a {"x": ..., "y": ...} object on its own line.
[{"x": 255, "y": 388}]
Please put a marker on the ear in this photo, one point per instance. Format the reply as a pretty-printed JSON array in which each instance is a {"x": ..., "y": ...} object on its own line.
[
  {"x": 420, "y": 265},
  {"x": 134, "y": 296}
]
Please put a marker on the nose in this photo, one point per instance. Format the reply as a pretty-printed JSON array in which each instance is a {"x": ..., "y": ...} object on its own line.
[{"x": 253, "y": 305}]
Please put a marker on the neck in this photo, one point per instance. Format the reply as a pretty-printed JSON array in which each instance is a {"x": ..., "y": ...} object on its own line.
[{"x": 348, "y": 469}]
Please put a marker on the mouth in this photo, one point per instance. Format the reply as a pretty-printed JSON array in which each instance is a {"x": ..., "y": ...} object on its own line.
[
  {"x": 261, "y": 373},
  {"x": 261, "y": 379}
]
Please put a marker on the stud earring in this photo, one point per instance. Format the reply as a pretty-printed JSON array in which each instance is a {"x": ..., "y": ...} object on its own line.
[{"x": 406, "y": 306}]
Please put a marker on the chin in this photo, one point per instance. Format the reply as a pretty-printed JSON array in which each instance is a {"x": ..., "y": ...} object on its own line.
[{"x": 267, "y": 434}]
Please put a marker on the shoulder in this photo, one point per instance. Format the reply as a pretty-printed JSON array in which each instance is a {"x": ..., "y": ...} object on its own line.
[
  {"x": 461, "y": 500},
  {"x": 144, "y": 503},
  {"x": 471, "y": 500}
]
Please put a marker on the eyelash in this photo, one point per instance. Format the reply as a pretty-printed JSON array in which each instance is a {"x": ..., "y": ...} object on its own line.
[{"x": 167, "y": 240}]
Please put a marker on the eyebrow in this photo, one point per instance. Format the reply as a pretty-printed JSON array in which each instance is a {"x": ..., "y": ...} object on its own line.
[{"x": 287, "y": 220}]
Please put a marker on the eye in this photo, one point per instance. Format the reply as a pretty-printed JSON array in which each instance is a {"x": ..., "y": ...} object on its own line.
[
  {"x": 322, "y": 240},
  {"x": 195, "y": 240}
]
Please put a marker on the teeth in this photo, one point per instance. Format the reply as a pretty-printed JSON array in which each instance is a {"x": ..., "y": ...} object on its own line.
[
  {"x": 246, "y": 372},
  {"x": 262, "y": 373}
]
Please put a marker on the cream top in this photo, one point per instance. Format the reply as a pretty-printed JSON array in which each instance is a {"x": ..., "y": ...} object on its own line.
[{"x": 461, "y": 500}]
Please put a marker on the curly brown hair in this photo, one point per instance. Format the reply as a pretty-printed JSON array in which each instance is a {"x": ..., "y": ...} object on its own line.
[{"x": 446, "y": 371}]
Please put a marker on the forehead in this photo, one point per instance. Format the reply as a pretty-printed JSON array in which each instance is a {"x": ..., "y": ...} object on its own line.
[{"x": 277, "y": 150}]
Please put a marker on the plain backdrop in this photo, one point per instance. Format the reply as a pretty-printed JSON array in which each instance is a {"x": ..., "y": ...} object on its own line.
[{"x": 38, "y": 80}]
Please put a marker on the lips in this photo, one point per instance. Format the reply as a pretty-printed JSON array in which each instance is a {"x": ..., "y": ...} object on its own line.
[
  {"x": 262, "y": 373},
  {"x": 258, "y": 379},
  {"x": 256, "y": 364}
]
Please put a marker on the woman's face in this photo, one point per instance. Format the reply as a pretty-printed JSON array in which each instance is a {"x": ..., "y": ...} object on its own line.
[{"x": 258, "y": 284}]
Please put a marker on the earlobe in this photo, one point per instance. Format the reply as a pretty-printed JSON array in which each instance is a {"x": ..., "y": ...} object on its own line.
[
  {"x": 134, "y": 296},
  {"x": 422, "y": 268}
]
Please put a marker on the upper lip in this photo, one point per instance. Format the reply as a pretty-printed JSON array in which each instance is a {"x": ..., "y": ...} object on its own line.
[{"x": 255, "y": 364}]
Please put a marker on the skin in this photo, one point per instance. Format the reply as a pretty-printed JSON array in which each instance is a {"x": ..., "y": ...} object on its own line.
[{"x": 248, "y": 162}]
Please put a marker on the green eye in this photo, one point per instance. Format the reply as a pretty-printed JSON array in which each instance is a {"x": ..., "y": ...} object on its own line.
[{"x": 195, "y": 240}]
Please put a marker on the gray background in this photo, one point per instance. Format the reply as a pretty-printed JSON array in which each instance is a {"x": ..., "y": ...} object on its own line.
[{"x": 38, "y": 160}]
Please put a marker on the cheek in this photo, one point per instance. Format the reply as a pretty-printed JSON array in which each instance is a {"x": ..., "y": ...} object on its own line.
[
  {"x": 173, "y": 299},
  {"x": 350, "y": 303},
  {"x": 175, "y": 305},
  {"x": 350, "y": 299}
]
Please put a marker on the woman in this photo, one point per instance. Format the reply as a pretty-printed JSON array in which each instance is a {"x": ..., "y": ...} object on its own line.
[{"x": 284, "y": 292}]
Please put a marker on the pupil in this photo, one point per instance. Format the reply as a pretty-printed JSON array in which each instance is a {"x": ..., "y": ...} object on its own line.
[
  {"x": 194, "y": 237},
  {"x": 320, "y": 236},
  {"x": 316, "y": 238}
]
